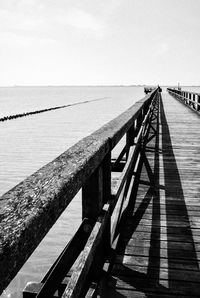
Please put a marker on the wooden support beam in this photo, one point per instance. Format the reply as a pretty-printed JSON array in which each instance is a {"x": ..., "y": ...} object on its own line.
[
  {"x": 97, "y": 190},
  {"x": 130, "y": 135},
  {"x": 118, "y": 160},
  {"x": 77, "y": 282},
  {"x": 53, "y": 279}
]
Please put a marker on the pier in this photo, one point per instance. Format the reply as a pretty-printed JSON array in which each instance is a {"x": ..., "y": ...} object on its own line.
[{"x": 140, "y": 234}]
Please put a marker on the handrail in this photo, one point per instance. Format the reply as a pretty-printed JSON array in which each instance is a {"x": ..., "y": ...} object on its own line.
[
  {"x": 105, "y": 234},
  {"x": 29, "y": 210},
  {"x": 190, "y": 99}
]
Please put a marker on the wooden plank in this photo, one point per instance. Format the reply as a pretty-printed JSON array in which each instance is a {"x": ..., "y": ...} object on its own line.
[
  {"x": 157, "y": 251},
  {"x": 139, "y": 243},
  {"x": 119, "y": 293},
  {"x": 160, "y": 262},
  {"x": 132, "y": 271},
  {"x": 148, "y": 285},
  {"x": 178, "y": 234}
]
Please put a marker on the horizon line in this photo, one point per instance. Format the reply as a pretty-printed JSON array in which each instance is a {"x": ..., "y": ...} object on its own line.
[{"x": 96, "y": 85}]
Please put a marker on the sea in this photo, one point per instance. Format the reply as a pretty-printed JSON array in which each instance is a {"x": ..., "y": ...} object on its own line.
[{"x": 30, "y": 142}]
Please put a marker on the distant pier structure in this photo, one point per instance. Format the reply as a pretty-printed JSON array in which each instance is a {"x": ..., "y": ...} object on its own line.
[
  {"x": 148, "y": 89},
  {"x": 140, "y": 230}
]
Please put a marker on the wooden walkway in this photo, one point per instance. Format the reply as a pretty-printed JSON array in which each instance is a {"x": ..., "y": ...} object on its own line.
[{"x": 159, "y": 250}]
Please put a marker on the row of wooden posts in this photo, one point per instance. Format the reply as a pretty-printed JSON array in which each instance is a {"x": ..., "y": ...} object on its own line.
[{"x": 33, "y": 206}]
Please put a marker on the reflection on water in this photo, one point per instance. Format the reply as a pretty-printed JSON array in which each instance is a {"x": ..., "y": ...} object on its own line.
[{"x": 30, "y": 142}]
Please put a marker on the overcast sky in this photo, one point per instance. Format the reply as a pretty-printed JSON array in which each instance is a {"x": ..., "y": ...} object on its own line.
[{"x": 77, "y": 42}]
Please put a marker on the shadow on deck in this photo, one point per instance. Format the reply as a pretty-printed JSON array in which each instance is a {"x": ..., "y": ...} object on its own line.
[{"x": 156, "y": 255}]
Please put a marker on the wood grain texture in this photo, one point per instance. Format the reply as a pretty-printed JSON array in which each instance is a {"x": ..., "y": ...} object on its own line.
[{"x": 158, "y": 254}]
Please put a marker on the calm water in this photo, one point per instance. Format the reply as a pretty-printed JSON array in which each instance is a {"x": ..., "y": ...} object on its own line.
[{"x": 30, "y": 142}]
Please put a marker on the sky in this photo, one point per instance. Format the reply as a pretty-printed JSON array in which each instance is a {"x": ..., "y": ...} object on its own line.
[{"x": 99, "y": 42}]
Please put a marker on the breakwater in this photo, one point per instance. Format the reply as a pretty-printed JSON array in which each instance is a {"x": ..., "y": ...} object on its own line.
[{"x": 25, "y": 114}]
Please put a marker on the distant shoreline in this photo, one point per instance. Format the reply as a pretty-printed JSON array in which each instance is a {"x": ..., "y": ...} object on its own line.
[
  {"x": 16, "y": 86},
  {"x": 74, "y": 86}
]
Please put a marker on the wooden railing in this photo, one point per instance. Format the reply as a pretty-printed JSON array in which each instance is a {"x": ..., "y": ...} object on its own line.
[
  {"x": 30, "y": 209},
  {"x": 191, "y": 99}
]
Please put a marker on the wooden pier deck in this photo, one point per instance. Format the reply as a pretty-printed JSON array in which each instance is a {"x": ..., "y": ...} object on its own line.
[{"x": 158, "y": 253}]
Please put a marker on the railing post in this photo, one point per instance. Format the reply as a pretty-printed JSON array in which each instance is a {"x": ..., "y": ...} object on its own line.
[
  {"x": 198, "y": 102},
  {"x": 130, "y": 139},
  {"x": 97, "y": 190},
  {"x": 195, "y": 98},
  {"x": 139, "y": 121},
  {"x": 184, "y": 98},
  {"x": 106, "y": 166},
  {"x": 187, "y": 95},
  {"x": 95, "y": 194}
]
